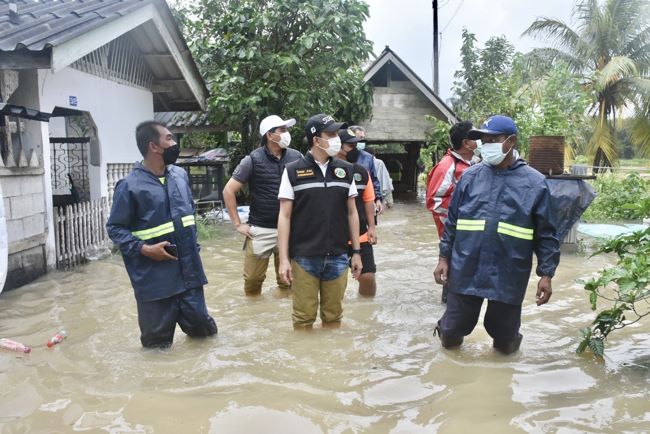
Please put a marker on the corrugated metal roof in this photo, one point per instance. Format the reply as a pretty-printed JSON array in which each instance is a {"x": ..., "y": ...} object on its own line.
[{"x": 38, "y": 25}]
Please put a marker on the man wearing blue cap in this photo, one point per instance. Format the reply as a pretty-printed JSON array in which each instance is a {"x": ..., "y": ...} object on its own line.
[{"x": 500, "y": 214}]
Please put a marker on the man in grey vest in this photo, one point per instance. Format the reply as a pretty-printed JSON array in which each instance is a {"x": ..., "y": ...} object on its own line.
[{"x": 262, "y": 170}]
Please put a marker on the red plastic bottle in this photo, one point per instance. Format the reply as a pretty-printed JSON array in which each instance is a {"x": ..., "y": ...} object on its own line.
[{"x": 57, "y": 338}]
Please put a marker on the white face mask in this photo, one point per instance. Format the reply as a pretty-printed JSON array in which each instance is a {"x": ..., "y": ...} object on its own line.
[
  {"x": 361, "y": 146},
  {"x": 492, "y": 153},
  {"x": 334, "y": 146},
  {"x": 285, "y": 140}
]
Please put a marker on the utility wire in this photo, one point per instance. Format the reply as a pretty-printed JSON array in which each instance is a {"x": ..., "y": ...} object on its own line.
[{"x": 453, "y": 16}]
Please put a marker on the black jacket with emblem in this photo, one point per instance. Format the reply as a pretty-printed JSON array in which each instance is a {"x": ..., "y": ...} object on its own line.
[
  {"x": 361, "y": 176},
  {"x": 319, "y": 219},
  {"x": 265, "y": 183}
]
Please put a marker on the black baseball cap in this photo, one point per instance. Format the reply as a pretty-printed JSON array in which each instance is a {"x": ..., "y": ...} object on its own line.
[
  {"x": 319, "y": 123},
  {"x": 348, "y": 136}
]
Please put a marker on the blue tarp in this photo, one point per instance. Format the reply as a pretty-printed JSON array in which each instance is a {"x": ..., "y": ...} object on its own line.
[{"x": 600, "y": 230}]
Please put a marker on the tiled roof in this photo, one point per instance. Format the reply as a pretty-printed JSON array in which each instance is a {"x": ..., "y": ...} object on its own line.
[
  {"x": 184, "y": 119},
  {"x": 37, "y": 25}
]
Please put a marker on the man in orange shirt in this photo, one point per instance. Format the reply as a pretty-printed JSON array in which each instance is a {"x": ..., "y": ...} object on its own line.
[
  {"x": 365, "y": 202},
  {"x": 444, "y": 176}
]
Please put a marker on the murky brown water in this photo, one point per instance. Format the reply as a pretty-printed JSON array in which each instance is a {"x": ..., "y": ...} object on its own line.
[{"x": 382, "y": 373}]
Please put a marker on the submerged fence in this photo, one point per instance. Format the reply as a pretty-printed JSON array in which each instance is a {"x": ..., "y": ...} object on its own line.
[{"x": 80, "y": 232}]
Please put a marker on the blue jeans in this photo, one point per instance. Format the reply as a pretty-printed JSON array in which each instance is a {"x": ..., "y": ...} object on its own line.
[{"x": 324, "y": 267}]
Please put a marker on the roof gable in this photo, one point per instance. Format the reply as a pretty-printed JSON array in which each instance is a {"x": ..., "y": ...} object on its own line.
[{"x": 387, "y": 59}]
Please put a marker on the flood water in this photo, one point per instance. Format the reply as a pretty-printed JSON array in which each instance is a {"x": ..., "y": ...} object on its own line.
[{"x": 382, "y": 373}]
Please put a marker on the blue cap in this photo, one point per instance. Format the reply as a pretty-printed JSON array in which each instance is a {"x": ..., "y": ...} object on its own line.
[{"x": 495, "y": 125}]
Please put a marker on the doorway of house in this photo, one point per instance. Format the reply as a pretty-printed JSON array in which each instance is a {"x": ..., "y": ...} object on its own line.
[{"x": 69, "y": 165}]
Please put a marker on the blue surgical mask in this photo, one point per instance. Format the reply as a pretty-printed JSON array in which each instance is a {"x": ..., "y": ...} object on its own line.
[
  {"x": 361, "y": 146},
  {"x": 492, "y": 153}
]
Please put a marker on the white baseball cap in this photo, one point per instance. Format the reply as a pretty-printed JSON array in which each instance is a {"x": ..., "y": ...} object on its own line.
[{"x": 275, "y": 121}]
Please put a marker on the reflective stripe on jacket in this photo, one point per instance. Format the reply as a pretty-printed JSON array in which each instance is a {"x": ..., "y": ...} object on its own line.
[
  {"x": 497, "y": 218},
  {"x": 319, "y": 216},
  {"x": 146, "y": 210}
]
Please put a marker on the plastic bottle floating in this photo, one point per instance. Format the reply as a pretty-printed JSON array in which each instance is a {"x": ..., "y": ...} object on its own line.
[
  {"x": 10, "y": 345},
  {"x": 57, "y": 338}
]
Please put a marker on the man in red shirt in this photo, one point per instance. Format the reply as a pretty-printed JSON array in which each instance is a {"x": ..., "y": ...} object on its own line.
[{"x": 445, "y": 175}]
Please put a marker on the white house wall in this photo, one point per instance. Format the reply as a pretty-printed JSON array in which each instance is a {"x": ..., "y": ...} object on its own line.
[{"x": 115, "y": 108}]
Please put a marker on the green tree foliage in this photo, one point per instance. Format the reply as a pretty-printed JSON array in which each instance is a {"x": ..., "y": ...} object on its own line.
[
  {"x": 204, "y": 141},
  {"x": 286, "y": 57},
  {"x": 610, "y": 51},
  {"x": 619, "y": 199},
  {"x": 437, "y": 143},
  {"x": 483, "y": 87},
  {"x": 625, "y": 288},
  {"x": 497, "y": 80},
  {"x": 557, "y": 105}
]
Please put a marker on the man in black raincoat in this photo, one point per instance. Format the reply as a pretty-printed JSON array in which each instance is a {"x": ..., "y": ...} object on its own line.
[{"x": 500, "y": 214}]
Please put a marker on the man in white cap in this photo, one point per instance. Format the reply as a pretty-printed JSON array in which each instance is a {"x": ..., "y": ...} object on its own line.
[{"x": 262, "y": 170}]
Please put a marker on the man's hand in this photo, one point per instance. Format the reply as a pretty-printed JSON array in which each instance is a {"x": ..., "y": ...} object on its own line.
[
  {"x": 544, "y": 290},
  {"x": 244, "y": 229},
  {"x": 356, "y": 265},
  {"x": 379, "y": 206},
  {"x": 284, "y": 270},
  {"x": 441, "y": 271},
  {"x": 157, "y": 252},
  {"x": 372, "y": 235}
]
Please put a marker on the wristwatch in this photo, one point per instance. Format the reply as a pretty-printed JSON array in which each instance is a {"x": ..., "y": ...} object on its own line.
[{"x": 357, "y": 251}]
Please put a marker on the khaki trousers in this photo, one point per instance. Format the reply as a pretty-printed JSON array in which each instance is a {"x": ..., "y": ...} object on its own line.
[
  {"x": 306, "y": 292},
  {"x": 255, "y": 270}
]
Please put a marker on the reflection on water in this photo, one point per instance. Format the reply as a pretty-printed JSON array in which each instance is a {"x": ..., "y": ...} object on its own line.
[{"x": 383, "y": 372}]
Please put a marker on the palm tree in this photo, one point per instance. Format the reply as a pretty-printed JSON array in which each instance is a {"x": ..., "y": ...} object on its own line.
[{"x": 610, "y": 51}]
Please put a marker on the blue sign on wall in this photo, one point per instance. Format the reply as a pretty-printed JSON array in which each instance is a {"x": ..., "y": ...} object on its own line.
[{"x": 73, "y": 101}]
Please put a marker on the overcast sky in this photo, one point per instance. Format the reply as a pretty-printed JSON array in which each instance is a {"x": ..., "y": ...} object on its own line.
[{"x": 407, "y": 27}]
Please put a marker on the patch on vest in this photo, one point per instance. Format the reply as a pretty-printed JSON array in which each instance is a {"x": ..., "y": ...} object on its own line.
[
  {"x": 304, "y": 173},
  {"x": 358, "y": 177},
  {"x": 339, "y": 172}
]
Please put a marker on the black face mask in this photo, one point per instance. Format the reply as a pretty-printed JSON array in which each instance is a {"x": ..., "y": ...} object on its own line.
[
  {"x": 170, "y": 155},
  {"x": 352, "y": 155}
]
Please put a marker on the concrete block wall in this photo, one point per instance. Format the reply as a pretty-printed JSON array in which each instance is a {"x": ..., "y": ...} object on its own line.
[
  {"x": 24, "y": 202},
  {"x": 398, "y": 113}
]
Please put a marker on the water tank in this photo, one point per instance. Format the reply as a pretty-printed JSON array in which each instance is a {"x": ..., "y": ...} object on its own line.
[{"x": 546, "y": 154}]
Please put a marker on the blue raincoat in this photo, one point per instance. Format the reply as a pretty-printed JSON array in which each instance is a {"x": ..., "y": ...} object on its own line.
[
  {"x": 148, "y": 209},
  {"x": 497, "y": 219}
]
